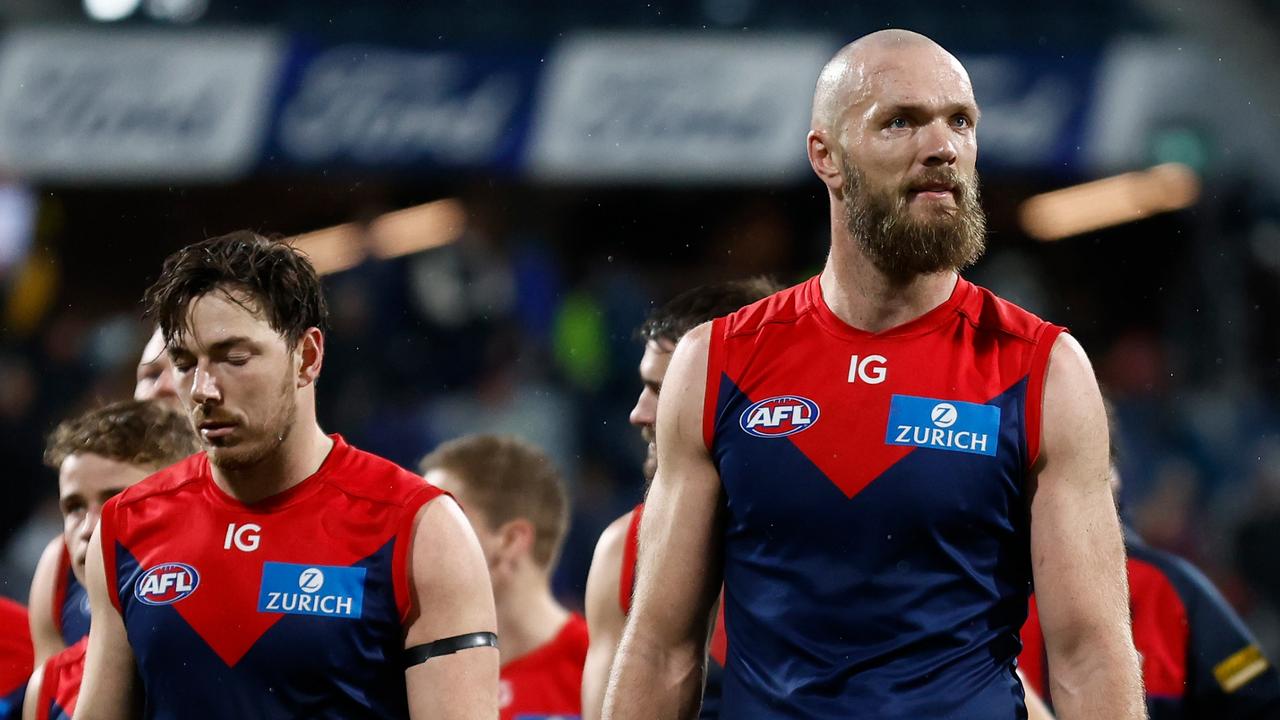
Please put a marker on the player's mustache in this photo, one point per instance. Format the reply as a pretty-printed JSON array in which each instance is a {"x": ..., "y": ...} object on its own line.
[{"x": 942, "y": 176}]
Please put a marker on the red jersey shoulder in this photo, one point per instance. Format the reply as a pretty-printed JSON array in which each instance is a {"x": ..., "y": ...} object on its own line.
[
  {"x": 175, "y": 478},
  {"x": 784, "y": 306},
  {"x": 989, "y": 312},
  {"x": 375, "y": 478}
]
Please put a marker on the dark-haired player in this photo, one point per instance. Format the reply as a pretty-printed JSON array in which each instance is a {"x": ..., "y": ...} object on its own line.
[
  {"x": 855, "y": 457},
  {"x": 97, "y": 456},
  {"x": 281, "y": 573},
  {"x": 609, "y": 584},
  {"x": 519, "y": 506}
]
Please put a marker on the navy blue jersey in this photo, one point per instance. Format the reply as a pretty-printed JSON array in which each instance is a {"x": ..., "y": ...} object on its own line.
[
  {"x": 1199, "y": 661},
  {"x": 292, "y": 607},
  {"x": 70, "y": 603},
  {"x": 877, "y": 537}
]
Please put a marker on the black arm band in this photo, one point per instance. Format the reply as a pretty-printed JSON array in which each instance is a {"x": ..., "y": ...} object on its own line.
[{"x": 419, "y": 654}]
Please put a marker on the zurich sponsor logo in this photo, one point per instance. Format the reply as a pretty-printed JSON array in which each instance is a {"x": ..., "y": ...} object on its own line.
[
  {"x": 779, "y": 416},
  {"x": 943, "y": 425},
  {"x": 166, "y": 583},
  {"x": 326, "y": 590}
]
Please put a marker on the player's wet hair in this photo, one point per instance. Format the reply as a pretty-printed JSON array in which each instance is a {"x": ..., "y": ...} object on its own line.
[
  {"x": 267, "y": 277},
  {"x": 137, "y": 432},
  {"x": 509, "y": 478},
  {"x": 691, "y": 308}
]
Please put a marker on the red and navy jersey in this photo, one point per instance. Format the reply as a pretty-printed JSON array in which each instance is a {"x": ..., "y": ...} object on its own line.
[
  {"x": 1199, "y": 661},
  {"x": 290, "y": 607},
  {"x": 17, "y": 657},
  {"x": 876, "y": 535},
  {"x": 70, "y": 603},
  {"x": 546, "y": 684},
  {"x": 60, "y": 683},
  {"x": 719, "y": 642}
]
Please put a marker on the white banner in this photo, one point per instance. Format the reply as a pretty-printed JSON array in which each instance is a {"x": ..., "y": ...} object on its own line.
[
  {"x": 677, "y": 108},
  {"x": 115, "y": 105}
]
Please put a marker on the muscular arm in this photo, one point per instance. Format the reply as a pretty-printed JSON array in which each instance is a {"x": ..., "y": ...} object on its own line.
[
  {"x": 110, "y": 677},
  {"x": 661, "y": 663},
  {"x": 605, "y": 620},
  {"x": 1077, "y": 552},
  {"x": 452, "y": 596},
  {"x": 45, "y": 636}
]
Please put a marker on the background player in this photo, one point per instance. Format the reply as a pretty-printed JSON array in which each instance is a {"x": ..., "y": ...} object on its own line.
[
  {"x": 280, "y": 573},
  {"x": 609, "y": 584},
  {"x": 155, "y": 374},
  {"x": 1199, "y": 660},
  {"x": 853, "y": 454},
  {"x": 516, "y": 500},
  {"x": 97, "y": 455},
  {"x": 16, "y": 658},
  {"x": 58, "y": 601}
]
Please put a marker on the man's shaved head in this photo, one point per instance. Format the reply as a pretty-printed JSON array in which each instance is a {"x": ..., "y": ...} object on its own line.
[
  {"x": 894, "y": 140},
  {"x": 845, "y": 79}
]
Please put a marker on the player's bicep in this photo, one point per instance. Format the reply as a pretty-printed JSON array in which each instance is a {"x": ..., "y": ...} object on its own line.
[
  {"x": 678, "y": 578},
  {"x": 1076, "y": 546},
  {"x": 110, "y": 680},
  {"x": 452, "y": 598},
  {"x": 605, "y": 620},
  {"x": 45, "y": 636}
]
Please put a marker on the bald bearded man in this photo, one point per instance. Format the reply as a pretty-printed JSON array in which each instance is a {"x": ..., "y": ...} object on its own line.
[{"x": 878, "y": 462}]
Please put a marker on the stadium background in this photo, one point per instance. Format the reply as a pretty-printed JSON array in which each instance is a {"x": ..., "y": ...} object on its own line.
[{"x": 564, "y": 165}]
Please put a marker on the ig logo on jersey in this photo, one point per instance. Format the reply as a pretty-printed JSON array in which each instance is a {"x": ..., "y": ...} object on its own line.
[
  {"x": 166, "y": 584},
  {"x": 779, "y": 416}
]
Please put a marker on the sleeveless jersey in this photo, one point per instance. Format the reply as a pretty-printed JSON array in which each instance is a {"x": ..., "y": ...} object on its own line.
[
  {"x": 546, "y": 684},
  {"x": 1199, "y": 660},
  {"x": 70, "y": 603},
  {"x": 876, "y": 535},
  {"x": 719, "y": 642},
  {"x": 60, "y": 683},
  {"x": 291, "y": 607},
  {"x": 17, "y": 657}
]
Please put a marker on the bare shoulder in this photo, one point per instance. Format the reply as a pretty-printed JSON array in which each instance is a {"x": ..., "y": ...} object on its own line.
[
  {"x": 1074, "y": 416},
  {"x": 612, "y": 544},
  {"x": 441, "y": 526}
]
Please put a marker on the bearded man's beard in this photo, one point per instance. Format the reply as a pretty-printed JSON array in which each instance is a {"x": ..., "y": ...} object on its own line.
[{"x": 902, "y": 246}]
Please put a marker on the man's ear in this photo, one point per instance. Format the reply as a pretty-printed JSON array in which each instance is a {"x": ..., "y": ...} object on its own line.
[
  {"x": 310, "y": 355},
  {"x": 515, "y": 539},
  {"x": 824, "y": 158}
]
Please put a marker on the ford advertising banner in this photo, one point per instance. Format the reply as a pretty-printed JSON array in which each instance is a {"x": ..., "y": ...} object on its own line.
[
  {"x": 370, "y": 106},
  {"x": 134, "y": 106},
  {"x": 92, "y": 105}
]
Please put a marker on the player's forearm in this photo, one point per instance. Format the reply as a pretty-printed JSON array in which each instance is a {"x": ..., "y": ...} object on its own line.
[
  {"x": 649, "y": 681},
  {"x": 595, "y": 679},
  {"x": 1098, "y": 677}
]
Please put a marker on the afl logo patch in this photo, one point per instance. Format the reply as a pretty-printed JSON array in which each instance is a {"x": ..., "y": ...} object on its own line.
[
  {"x": 779, "y": 416},
  {"x": 166, "y": 584}
]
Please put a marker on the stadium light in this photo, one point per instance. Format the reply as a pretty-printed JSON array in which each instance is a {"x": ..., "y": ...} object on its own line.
[
  {"x": 1110, "y": 201},
  {"x": 110, "y": 10},
  {"x": 393, "y": 234}
]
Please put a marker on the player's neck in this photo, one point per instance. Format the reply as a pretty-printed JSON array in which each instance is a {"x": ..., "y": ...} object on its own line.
[
  {"x": 296, "y": 459},
  {"x": 528, "y": 618},
  {"x": 865, "y": 298}
]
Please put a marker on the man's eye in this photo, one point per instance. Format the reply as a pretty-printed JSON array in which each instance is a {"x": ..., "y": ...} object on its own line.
[{"x": 898, "y": 123}]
